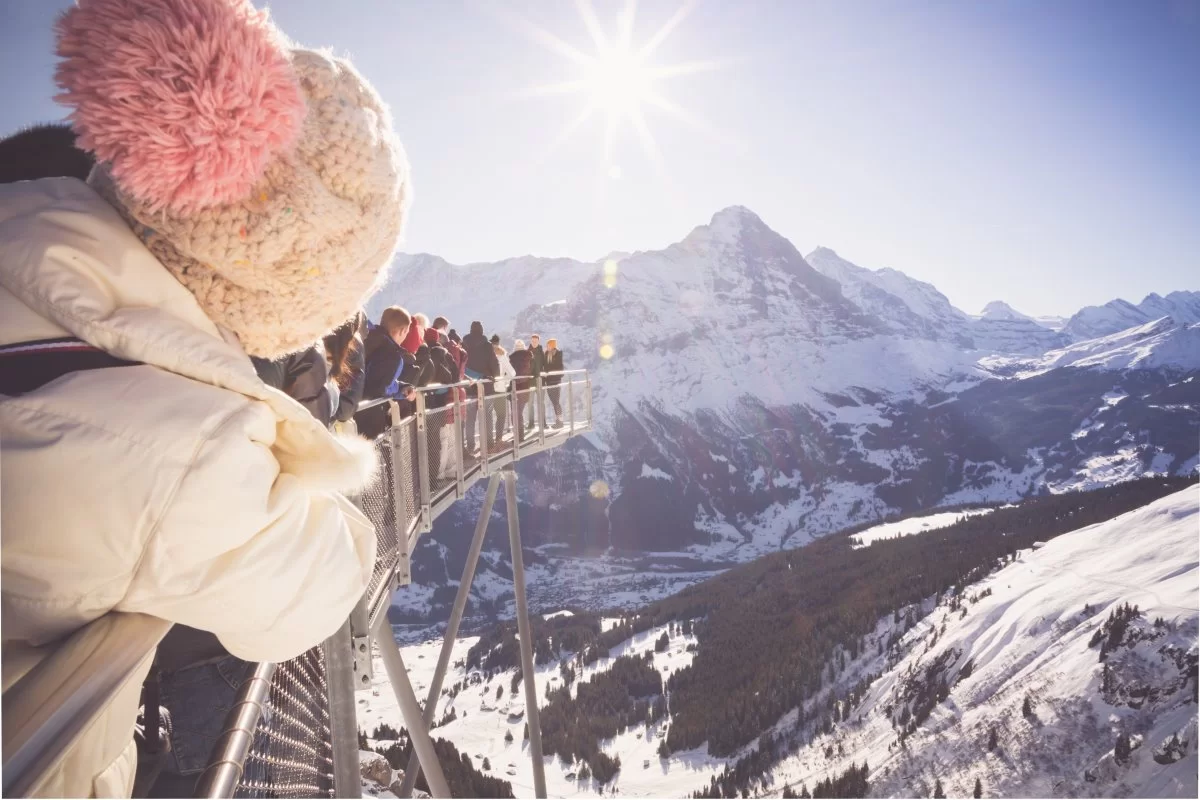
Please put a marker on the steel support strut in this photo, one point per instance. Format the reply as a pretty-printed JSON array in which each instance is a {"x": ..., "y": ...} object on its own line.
[
  {"x": 343, "y": 724},
  {"x": 526, "y": 633},
  {"x": 410, "y": 711},
  {"x": 456, "y": 614}
]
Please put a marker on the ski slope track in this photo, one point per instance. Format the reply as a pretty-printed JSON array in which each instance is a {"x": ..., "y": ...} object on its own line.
[
  {"x": 755, "y": 398},
  {"x": 1030, "y": 633}
]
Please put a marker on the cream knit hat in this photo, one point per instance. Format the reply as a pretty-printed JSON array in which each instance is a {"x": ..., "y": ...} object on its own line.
[{"x": 267, "y": 179}]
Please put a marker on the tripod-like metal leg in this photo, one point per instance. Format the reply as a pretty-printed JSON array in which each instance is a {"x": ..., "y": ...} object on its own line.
[
  {"x": 526, "y": 633},
  {"x": 460, "y": 604},
  {"x": 418, "y": 732},
  {"x": 343, "y": 724}
]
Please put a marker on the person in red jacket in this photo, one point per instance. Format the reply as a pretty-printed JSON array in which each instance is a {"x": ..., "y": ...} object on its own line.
[{"x": 416, "y": 333}]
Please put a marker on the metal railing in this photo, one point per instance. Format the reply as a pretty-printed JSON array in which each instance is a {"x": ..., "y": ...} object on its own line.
[
  {"x": 292, "y": 731},
  {"x": 304, "y": 740}
]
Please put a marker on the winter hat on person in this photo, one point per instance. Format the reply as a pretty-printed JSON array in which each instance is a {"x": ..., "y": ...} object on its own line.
[{"x": 265, "y": 177}]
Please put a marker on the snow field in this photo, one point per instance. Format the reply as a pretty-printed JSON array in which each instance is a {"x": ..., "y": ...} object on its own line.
[
  {"x": 482, "y": 721},
  {"x": 1030, "y": 638}
]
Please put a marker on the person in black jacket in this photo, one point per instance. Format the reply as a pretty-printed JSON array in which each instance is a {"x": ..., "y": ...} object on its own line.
[
  {"x": 304, "y": 376},
  {"x": 391, "y": 371},
  {"x": 347, "y": 364},
  {"x": 554, "y": 363},
  {"x": 537, "y": 360},
  {"x": 481, "y": 366},
  {"x": 522, "y": 365}
]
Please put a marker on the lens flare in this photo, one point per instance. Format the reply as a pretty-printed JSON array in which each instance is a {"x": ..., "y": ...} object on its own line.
[
  {"x": 606, "y": 351},
  {"x": 598, "y": 490},
  {"x": 610, "y": 273}
]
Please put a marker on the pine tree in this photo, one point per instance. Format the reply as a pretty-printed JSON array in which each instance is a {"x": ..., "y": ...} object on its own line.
[
  {"x": 938, "y": 792},
  {"x": 527, "y": 731},
  {"x": 487, "y": 765},
  {"x": 992, "y": 739},
  {"x": 1027, "y": 707},
  {"x": 508, "y": 737},
  {"x": 978, "y": 788}
]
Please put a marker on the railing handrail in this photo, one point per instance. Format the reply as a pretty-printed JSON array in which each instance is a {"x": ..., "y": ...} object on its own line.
[{"x": 49, "y": 708}]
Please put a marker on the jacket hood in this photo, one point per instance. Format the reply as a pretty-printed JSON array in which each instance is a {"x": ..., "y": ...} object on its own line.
[{"x": 69, "y": 257}]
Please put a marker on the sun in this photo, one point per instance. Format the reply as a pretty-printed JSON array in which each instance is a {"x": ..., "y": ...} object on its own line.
[{"x": 620, "y": 81}]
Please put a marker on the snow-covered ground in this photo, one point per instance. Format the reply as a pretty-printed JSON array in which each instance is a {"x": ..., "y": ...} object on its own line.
[
  {"x": 1027, "y": 634},
  {"x": 482, "y": 721},
  {"x": 908, "y": 527}
]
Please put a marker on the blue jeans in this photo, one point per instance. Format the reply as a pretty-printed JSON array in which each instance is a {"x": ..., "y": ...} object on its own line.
[{"x": 198, "y": 699}]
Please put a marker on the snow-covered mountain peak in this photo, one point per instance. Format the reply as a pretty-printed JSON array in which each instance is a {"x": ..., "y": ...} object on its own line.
[
  {"x": 1118, "y": 315},
  {"x": 729, "y": 228},
  {"x": 998, "y": 309}
]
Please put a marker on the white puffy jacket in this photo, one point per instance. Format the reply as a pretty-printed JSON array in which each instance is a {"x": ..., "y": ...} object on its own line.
[{"x": 182, "y": 488}]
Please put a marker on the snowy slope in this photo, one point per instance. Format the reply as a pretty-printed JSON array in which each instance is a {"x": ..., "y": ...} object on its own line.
[
  {"x": 1161, "y": 344},
  {"x": 1026, "y": 630},
  {"x": 482, "y": 721},
  {"x": 1088, "y": 323}
]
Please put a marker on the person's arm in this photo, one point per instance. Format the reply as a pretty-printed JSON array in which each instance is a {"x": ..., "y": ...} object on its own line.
[
  {"x": 247, "y": 552},
  {"x": 307, "y": 374}
]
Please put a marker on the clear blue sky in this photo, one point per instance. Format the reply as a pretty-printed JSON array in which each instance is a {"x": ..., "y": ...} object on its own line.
[{"x": 1043, "y": 153}]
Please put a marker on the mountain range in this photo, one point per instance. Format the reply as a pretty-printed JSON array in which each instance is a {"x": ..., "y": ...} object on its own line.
[{"x": 749, "y": 398}]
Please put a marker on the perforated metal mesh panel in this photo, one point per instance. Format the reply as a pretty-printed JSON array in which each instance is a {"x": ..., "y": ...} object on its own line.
[
  {"x": 440, "y": 447},
  {"x": 292, "y": 754},
  {"x": 376, "y": 503}
]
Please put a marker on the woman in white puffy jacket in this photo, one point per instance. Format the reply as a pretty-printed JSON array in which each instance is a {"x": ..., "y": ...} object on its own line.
[{"x": 247, "y": 200}]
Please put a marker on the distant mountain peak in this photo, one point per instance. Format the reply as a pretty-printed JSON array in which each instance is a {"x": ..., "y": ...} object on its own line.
[
  {"x": 998, "y": 309},
  {"x": 738, "y": 214}
]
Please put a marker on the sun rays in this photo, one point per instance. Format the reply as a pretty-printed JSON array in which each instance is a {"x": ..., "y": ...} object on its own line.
[{"x": 619, "y": 81}]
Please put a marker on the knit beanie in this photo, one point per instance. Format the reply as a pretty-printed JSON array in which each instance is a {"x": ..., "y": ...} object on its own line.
[{"x": 265, "y": 177}]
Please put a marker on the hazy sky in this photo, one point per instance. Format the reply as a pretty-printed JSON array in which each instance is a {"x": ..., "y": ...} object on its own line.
[{"x": 1043, "y": 153}]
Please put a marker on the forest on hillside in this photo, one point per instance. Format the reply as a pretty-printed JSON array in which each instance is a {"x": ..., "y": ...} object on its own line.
[{"x": 770, "y": 628}]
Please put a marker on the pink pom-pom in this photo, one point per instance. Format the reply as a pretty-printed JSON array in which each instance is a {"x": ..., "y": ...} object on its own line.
[{"x": 188, "y": 100}]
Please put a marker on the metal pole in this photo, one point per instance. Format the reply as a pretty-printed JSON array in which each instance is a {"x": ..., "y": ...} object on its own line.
[
  {"x": 222, "y": 775},
  {"x": 459, "y": 422},
  {"x": 410, "y": 710},
  {"x": 541, "y": 412},
  {"x": 519, "y": 424},
  {"x": 570, "y": 406},
  {"x": 400, "y": 490},
  {"x": 422, "y": 465},
  {"x": 486, "y": 433},
  {"x": 343, "y": 724},
  {"x": 526, "y": 633},
  {"x": 456, "y": 614}
]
